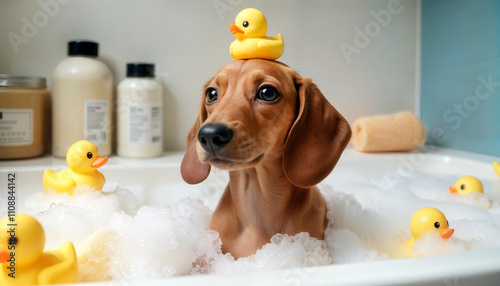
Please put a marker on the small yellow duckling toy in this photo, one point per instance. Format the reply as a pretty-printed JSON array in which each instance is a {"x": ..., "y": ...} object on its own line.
[
  {"x": 426, "y": 219},
  {"x": 496, "y": 167},
  {"x": 467, "y": 185},
  {"x": 250, "y": 28},
  {"x": 22, "y": 259},
  {"x": 83, "y": 161}
]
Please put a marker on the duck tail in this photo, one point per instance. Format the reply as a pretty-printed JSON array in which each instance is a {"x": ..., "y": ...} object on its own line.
[
  {"x": 48, "y": 179},
  {"x": 52, "y": 180}
]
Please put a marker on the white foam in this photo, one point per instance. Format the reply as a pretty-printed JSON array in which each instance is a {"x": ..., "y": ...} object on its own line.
[
  {"x": 117, "y": 239},
  {"x": 431, "y": 244},
  {"x": 155, "y": 243},
  {"x": 282, "y": 252},
  {"x": 346, "y": 247}
]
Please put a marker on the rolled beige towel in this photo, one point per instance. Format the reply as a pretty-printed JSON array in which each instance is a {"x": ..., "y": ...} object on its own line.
[{"x": 401, "y": 131}]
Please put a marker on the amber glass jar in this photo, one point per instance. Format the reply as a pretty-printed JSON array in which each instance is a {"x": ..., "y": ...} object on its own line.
[{"x": 24, "y": 116}]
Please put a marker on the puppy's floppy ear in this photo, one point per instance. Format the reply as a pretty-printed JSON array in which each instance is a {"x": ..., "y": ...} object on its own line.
[
  {"x": 192, "y": 170},
  {"x": 317, "y": 138}
]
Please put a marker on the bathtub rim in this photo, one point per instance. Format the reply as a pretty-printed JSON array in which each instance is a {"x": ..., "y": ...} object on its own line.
[
  {"x": 388, "y": 272},
  {"x": 436, "y": 269}
]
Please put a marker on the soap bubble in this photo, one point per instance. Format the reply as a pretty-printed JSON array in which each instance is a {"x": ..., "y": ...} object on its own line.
[
  {"x": 118, "y": 238},
  {"x": 432, "y": 244}
]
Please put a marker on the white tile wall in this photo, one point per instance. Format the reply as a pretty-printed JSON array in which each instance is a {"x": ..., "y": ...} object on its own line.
[{"x": 189, "y": 41}]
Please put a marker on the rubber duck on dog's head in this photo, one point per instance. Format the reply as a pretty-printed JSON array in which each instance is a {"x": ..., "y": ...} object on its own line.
[{"x": 250, "y": 28}]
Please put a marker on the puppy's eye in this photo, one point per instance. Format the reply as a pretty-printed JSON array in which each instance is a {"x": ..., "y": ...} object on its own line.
[
  {"x": 211, "y": 95},
  {"x": 245, "y": 24},
  {"x": 267, "y": 93}
]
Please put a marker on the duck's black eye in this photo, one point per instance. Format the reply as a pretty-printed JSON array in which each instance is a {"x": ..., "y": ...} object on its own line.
[
  {"x": 245, "y": 24},
  {"x": 437, "y": 225},
  {"x": 89, "y": 155},
  {"x": 447, "y": 223},
  {"x": 12, "y": 240},
  {"x": 267, "y": 93},
  {"x": 462, "y": 187},
  {"x": 211, "y": 95}
]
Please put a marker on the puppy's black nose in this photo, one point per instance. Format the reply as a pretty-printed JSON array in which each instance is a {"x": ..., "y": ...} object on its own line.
[{"x": 214, "y": 137}]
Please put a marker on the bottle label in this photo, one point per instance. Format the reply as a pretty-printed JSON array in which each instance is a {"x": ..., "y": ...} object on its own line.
[
  {"x": 16, "y": 127},
  {"x": 145, "y": 124},
  {"x": 96, "y": 121}
]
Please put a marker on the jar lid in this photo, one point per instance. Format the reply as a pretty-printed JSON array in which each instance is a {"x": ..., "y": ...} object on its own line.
[
  {"x": 22, "y": 81},
  {"x": 140, "y": 70},
  {"x": 83, "y": 48}
]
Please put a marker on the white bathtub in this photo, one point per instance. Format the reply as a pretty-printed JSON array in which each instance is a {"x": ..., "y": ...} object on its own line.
[{"x": 151, "y": 179}]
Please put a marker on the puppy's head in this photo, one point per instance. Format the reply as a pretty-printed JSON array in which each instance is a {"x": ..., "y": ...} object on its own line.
[{"x": 254, "y": 109}]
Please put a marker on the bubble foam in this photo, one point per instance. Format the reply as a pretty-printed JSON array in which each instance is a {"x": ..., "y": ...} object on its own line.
[{"x": 368, "y": 220}]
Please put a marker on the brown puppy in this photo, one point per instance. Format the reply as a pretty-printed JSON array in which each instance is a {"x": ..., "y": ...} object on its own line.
[{"x": 278, "y": 136}]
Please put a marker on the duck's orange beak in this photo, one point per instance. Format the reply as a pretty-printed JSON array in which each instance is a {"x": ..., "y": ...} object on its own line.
[
  {"x": 447, "y": 232},
  {"x": 235, "y": 30},
  {"x": 452, "y": 190},
  {"x": 99, "y": 162},
  {"x": 4, "y": 256}
]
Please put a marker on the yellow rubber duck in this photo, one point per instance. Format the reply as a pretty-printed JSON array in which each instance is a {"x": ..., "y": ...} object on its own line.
[
  {"x": 467, "y": 185},
  {"x": 83, "y": 161},
  {"x": 250, "y": 28},
  {"x": 426, "y": 219},
  {"x": 23, "y": 261},
  {"x": 496, "y": 167}
]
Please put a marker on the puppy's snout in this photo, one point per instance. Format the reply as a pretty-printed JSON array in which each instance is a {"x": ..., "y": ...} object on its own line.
[{"x": 214, "y": 137}]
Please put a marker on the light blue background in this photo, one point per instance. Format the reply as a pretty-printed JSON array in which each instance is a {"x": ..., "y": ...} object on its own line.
[{"x": 460, "y": 45}]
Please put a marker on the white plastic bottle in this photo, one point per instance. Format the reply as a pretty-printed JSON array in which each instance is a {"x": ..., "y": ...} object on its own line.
[
  {"x": 82, "y": 94},
  {"x": 140, "y": 113}
]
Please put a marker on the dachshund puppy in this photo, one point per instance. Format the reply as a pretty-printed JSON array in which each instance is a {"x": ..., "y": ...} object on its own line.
[{"x": 278, "y": 136}]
